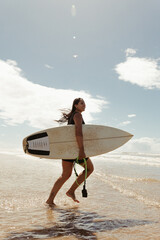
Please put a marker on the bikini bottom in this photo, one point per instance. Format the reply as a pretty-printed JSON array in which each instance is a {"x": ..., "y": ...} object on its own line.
[{"x": 73, "y": 160}]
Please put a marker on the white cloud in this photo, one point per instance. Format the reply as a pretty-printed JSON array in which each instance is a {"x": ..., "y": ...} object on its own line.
[
  {"x": 23, "y": 101},
  {"x": 144, "y": 72},
  {"x": 3, "y": 125},
  {"x": 124, "y": 123},
  {"x": 132, "y": 115},
  {"x": 130, "y": 52},
  {"x": 48, "y": 66},
  {"x": 143, "y": 145}
]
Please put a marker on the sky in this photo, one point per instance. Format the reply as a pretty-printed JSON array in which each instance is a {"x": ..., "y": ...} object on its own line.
[{"x": 105, "y": 51}]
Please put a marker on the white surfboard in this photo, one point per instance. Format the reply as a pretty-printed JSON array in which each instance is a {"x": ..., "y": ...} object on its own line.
[{"x": 60, "y": 142}]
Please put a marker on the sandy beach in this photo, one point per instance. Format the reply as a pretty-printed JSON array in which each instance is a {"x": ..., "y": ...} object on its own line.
[{"x": 123, "y": 199}]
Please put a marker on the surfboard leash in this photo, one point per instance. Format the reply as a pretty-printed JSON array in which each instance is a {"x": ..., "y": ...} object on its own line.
[{"x": 84, "y": 190}]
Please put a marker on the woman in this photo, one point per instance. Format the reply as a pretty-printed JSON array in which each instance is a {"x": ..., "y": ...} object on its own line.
[{"x": 74, "y": 117}]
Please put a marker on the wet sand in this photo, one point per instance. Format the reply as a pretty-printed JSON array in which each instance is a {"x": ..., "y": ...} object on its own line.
[{"x": 123, "y": 199}]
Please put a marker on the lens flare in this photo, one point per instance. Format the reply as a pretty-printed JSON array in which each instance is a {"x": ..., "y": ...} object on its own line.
[{"x": 73, "y": 10}]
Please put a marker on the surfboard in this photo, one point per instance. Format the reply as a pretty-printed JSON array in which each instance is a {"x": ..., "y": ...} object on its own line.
[{"x": 60, "y": 142}]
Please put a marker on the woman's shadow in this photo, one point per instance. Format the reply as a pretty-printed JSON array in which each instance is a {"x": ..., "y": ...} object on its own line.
[{"x": 79, "y": 224}]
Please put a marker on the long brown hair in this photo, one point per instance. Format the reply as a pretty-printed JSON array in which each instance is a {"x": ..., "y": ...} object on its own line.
[{"x": 66, "y": 116}]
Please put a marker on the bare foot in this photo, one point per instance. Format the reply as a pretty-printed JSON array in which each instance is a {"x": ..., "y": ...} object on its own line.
[
  {"x": 72, "y": 195},
  {"x": 51, "y": 204}
]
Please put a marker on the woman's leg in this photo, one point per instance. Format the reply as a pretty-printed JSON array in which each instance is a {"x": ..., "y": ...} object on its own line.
[
  {"x": 80, "y": 179},
  {"x": 66, "y": 173}
]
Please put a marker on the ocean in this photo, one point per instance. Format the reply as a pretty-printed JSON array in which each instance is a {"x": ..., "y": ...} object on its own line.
[{"x": 123, "y": 199}]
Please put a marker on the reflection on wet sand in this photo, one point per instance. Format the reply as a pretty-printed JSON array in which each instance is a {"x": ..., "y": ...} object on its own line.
[{"x": 79, "y": 224}]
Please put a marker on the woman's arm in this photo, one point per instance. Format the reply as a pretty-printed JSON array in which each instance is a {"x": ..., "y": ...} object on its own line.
[{"x": 79, "y": 134}]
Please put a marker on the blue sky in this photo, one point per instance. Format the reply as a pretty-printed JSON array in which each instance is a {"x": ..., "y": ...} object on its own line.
[{"x": 106, "y": 51}]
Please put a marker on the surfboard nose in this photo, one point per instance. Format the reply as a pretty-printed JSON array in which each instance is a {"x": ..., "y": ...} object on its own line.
[{"x": 131, "y": 135}]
